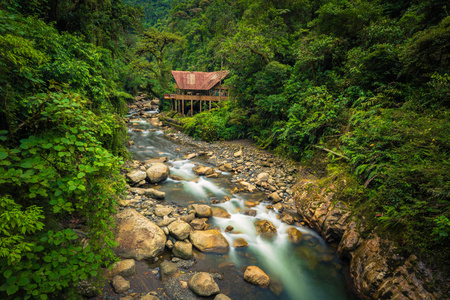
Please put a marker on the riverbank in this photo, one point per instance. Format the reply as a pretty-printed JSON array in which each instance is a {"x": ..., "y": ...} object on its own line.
[
  {"x": 281, "y": 185},
  {"x": 241, "y": 185}
]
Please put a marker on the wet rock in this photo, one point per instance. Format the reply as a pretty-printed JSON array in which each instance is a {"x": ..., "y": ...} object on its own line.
[
  {"x": 248, "y": 187},
  {"x": 158, "y": 172},
  {"x": 202, "y": 210},
  {"x": 199, "y": 224},
  {"x": 227, "y": 167},
  {"x": 161, "y": 210},
  {"x": 179, "y": 229},
  {"x": 275, "y": 197},
  {"x": 256, "y": 276},
  {"x": 138, "y": 237},
  {"x": 209, "y": 241},
  {"x": 123, "y": 268},
  {"x": 152, "y": 193},
  {"x": 262, "y": 177},
  {"x": 168, "y": 269},
  {"x": 229, "y": 228},
  {"x": 294, "y": 235},
  {"x": 238, "y": 154},
  {"x": 166, "y": 221},
  {"x": 222, "y": 297},
  {"x": 176, "y": 177},
  {"x": 202, "y": 170},
  {"x": 220, "y": 213},
  {"x": 120, "y": 285},
  {"x": 203, "y": 284},
  {"x": 240, "y": 243},
  {"x": 188, "y": 218},
  {"x": 249, "y": 212},
  {"x": 136, "y": 176},
  {"x": 265, "y": 229},
  {"x": 190, "y": 156},
  {"x": 182, "y": 250},
  {"x": 278, "y": 206},
  {"x": 288, "y": 219}
]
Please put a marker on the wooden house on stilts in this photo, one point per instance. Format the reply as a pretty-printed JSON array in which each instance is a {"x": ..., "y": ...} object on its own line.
[{"x": 197, "y": 88}]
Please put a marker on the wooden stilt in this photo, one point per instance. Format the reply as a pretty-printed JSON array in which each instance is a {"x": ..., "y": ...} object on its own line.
[
  {"x": 192, "y": 107},
  {"x": 182, "y": 107},
  {"x": 210, "y": 104},
  {"x": 200, "y": 105}
]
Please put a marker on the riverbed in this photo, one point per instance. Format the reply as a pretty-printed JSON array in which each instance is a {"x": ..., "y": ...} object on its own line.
[{"x": 305, "y": 270}]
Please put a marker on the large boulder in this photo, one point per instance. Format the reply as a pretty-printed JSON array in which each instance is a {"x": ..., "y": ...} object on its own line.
[
  {"x": 138, "y": 237},
  {"x": 203, "y": 284},
  {"x": 179, "y": 229},
  {"x": 256, "y": 276},
  {"x": 158, "y": 172},
  {"x": 209, "y": 241},
  {"x": 136, "y": 176},
  {"x": 265, "y": 229}
]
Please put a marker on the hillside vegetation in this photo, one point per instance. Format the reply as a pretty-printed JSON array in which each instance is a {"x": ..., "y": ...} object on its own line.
[{"x": 365, "y": 79}]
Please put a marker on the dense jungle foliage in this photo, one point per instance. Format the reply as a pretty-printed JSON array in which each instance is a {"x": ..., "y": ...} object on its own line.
[
  {"x": 366, "y": 79},
  {"x": 63, "y": 66}
]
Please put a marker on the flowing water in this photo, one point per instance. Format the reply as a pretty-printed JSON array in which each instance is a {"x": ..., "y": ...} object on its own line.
[{"x": 309, "y": 270}]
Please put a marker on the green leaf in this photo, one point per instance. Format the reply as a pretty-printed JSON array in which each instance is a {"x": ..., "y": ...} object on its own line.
[
  {"x": 81, "y": 175},
  {"x": 3, "y": 154},
  {"x": 12, "y": 289},
  {"x": 7, "y": 273}
]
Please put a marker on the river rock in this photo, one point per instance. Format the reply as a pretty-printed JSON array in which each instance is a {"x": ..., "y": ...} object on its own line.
[
  {"x": 152, "y": 193},
  {"x": 240, "y": 243},
  {"x": 120, "y": 285},
  {"x": 138, "y": 237},
  {"x": 190, "y": 156},
  {"x": 220, "y": 213},
  {"x": 275, "y": 197},
  {"x": 288, "y": 219},
  {"x": 148, "y": 297},
  {"x": 222, "y": 297},
  {"x": 294, "y": 235},
  {"x": 136, "y": 176},
  {"x": 182, "y": 250},
  {"x": 123, "y": 268},
  {"x": 249, "y": 187},
  {"x": 199, "y": 224},
  {"x": 188, "y": 218},
  {"x": 179, "y": 229},
  {"x": 256, "y": 276},
  {"x": 265, "y": 229},
  {"x": 202, "y": 210},
  {"x": 158, "y": 172},
  {"x": 262, "y": 177},
  {"x": 209, "y": 241},
  {"x": 202, "y": 170},
  {"x": 168, "y": 269},
  {"x": 161, "y": 210},
  {"x": 203, "y": 284},
  {"x": 227, "y": 167},
  {"x": 249, "y": 212}
]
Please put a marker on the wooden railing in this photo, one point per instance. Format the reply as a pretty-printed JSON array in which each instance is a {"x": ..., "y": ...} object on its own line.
[{"x": 195, "y": 97}]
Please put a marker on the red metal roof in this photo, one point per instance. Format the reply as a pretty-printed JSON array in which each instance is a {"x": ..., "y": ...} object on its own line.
[{"x": 187, "y": 80}]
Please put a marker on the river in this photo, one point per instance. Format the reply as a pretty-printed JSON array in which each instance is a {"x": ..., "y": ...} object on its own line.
[{"x": 308, "y": 270}]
